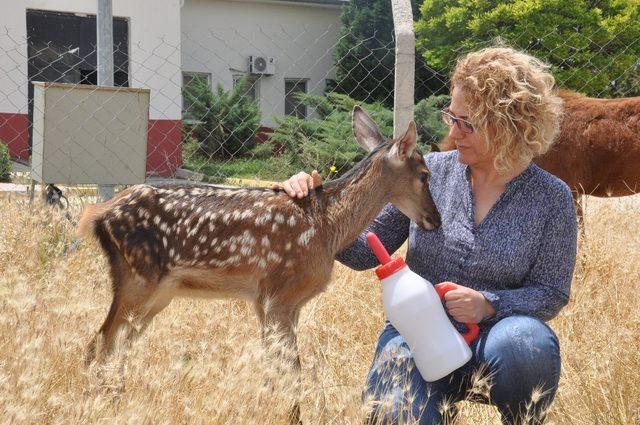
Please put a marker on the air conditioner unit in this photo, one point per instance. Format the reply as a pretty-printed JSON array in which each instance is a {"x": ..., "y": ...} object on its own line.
[{"x": 262, "y": 65}]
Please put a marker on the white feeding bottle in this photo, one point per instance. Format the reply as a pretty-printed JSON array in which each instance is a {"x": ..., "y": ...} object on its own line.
[{"x": 414, "y": 308}]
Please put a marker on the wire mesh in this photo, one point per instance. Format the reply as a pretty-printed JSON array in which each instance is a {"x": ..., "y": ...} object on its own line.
[{"x": 252, "y": 105}]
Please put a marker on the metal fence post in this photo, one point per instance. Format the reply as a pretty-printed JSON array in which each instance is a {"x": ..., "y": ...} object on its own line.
[
  {"x": 405, "y": 66},
  {"x": 104, "y": 36}
]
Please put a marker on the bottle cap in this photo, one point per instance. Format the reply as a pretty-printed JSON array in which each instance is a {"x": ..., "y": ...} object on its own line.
[{"x": 388, "y": 265}]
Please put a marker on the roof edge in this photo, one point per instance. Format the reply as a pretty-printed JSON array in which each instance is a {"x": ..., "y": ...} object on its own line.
[{"x": 314, "y": 3}]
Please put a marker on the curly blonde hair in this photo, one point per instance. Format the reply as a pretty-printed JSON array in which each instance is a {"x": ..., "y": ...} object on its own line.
[{"x": 512, "y": 103}]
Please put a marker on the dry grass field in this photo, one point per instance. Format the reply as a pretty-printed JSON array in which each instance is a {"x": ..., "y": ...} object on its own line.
[{"x": 202, "y": 362}]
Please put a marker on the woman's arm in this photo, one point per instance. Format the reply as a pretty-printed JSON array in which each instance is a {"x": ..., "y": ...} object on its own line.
[
  {"x": 546, "y": 288},
  {"x": 391, "y": 227}
]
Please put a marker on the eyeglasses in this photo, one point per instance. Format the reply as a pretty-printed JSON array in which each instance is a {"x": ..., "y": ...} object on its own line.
[{"x": 449, "y": 119}]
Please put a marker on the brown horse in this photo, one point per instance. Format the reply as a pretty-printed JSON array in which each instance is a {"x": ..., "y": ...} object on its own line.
[{"x": 597, "y": 151}]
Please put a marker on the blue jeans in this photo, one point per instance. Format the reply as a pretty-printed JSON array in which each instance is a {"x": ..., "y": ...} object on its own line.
[{"x": 516, "y": 357}]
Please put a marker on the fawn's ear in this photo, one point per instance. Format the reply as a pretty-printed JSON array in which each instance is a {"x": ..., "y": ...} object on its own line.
[
  {"x": 404, "y": 147},
  {"x": 366, "y": 131}
]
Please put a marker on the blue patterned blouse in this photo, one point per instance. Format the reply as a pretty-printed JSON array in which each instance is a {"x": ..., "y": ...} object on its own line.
[{"x": 520, "y": 257}]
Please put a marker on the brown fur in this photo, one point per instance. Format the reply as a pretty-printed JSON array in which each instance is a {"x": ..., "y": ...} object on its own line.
[
  {"x": 598, "y": 149},
  {"x": 256, "y": 244}
]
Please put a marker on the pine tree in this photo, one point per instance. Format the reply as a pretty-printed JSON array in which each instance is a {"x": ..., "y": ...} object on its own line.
[{"x": 227, "y": 122}]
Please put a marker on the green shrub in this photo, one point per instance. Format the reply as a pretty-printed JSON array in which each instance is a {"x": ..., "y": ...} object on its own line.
[
  {"x": 190, "y": 146},
  {"x": 226, "y": 122},
  {"x": 263, "y": 150},
  {"x": 5, "y": 163},
  {"x": 327, "y": 143},
  {"x": 428, "y": 120}
]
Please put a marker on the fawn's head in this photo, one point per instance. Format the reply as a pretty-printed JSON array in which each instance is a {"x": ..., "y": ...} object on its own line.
[{"x": 406, "y": 175}]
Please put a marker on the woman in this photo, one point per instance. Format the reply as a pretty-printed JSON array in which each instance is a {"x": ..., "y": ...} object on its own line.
[{"x": 508, "y": 240}]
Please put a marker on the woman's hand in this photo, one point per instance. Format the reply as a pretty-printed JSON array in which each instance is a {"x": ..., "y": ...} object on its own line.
[
  {"x": 467, "y": 305},
  {"x": 300, "y": 184}
]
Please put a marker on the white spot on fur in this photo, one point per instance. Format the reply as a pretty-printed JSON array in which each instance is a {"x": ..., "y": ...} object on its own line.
[
  {"x": 265, "y": 241},
  {"x": 156, "y": 220},
  {"x": 305, "y": 237},
  {"x": 263, "y": 219},
  {"x": 247, "y": 238},
  {"x": 279, "y": 218},
  {"x": 164, "y": 241},
  {"x": 272, "y": 256},
  {"x": 292, "y": 221},
  {"x": 287, "y": 246},
  {"x": 288, "y": 263}
]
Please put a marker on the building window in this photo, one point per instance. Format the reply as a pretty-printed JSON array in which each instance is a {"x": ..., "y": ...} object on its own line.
[
  {"x": 292, "y": 106},
  {"x": 192, "y": 83},
  {"x": 61, "y": 48},
  {"x": 252, "y": 87}
]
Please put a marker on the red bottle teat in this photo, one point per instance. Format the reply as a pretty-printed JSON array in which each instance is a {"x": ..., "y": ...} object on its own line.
[{"x": 388, "y": 265}]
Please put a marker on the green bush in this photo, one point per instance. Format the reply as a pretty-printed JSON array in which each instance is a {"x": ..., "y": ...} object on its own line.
[
  {"x": 327, "y": 144},
  {"x": 5, "y": 163},
  {"x": 428, "y": 120},
  {"x": 226, "y": 122}
]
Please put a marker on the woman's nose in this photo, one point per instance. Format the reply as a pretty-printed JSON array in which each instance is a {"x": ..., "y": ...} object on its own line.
[{"x": 455, "y": 132}]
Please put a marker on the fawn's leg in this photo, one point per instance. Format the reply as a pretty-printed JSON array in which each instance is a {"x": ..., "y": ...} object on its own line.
[
  {"x": 135, "y": 302},
  {"x": 278, "y": 321}
]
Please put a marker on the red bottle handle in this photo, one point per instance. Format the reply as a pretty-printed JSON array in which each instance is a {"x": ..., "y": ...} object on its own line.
[{"x": 474, "y": 329}]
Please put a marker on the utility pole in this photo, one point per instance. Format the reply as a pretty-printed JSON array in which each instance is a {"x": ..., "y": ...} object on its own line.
[{"x": 104, "y": 37}]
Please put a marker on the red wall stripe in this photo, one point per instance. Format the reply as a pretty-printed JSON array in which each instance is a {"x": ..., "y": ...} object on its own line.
[{"x": 164, "y": 154}]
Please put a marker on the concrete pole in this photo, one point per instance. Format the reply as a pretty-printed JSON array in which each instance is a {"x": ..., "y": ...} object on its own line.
[
  {"x": 104, "y": 37},
  {"x": 405, "y": 66}
]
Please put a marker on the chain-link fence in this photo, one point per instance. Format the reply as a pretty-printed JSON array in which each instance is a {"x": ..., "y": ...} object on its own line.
[{"x": 246, "y": 94}]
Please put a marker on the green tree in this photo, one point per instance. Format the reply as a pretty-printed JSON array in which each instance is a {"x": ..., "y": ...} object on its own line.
[
  {"x": 365, "y": 54},
  {"x": 592, "y": 45},
  {"x": 226, "y": 122}
]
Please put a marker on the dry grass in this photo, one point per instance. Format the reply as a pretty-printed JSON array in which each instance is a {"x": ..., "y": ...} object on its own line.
[{"x": 202, "y": 361}]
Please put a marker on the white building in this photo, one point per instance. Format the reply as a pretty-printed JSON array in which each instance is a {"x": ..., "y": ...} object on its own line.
[
  {"x": 295, "y": 38},
  {"x": 159, "y": 44}
]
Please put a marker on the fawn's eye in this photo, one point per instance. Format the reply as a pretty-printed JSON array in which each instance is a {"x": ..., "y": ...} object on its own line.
[{"x": 424, "y": 177}]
